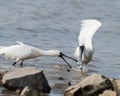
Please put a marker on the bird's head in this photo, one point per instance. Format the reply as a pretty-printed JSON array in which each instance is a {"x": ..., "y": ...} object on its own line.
[{"x": 86, "y": 54}]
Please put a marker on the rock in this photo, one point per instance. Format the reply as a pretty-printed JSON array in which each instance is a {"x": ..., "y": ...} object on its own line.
[
  {"x": 108, "y": 93},
  {"x": 27, "y": 91},
  {"x": 116, "y": 85},
  {"x": 90, "y": 86},
  {"x": 1, "y": 75},
  {"x": 27, "y": 76},
  {"x": 18, "y": 91},
  {"x": 61, "y": 78}
]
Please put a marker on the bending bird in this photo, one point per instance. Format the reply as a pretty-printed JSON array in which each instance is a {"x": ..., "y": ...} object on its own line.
[
  {"x": 84, "y": 51},
  {"x": 21, "y": 52}
]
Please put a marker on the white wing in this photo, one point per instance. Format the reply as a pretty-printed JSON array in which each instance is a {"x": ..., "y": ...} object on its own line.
[
  {"x": 87, "y": 31},
  {"x": 20, "y": 51},
  {"x": 17, "y": 51}
]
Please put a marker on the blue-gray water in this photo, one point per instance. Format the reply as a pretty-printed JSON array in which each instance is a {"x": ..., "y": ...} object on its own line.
[{"x": 55, "y": 24}]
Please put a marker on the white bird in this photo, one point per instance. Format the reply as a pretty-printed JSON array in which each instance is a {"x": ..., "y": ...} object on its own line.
[
  {"x": 1, "y": 47},
  {"x": 84, "y": 51},
  {"x": 21, "y": 52}
]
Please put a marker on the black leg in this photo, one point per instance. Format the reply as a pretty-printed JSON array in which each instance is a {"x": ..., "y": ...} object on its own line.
[
  {"x": 14, "y": 63},
  {"x": 81, "y": 67},
  {"x": 21, "y": 64}
]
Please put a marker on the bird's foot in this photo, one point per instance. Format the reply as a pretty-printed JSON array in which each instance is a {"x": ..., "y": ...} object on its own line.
[{"x": 80, "y": 67}]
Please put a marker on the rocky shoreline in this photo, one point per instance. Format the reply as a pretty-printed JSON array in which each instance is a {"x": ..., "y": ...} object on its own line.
[
  {"x": 30, "y": 81},
  {"x": 93, "y": 85}
]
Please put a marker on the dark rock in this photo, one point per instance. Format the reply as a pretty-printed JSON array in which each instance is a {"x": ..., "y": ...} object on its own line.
[
  {"x": 28, "y": 76},
  {"x": 90, "y": 86},
  {"x": 69, "y": 83},
  {"x": 68, "y": 70},
  {"x": 61, "y": 78}
]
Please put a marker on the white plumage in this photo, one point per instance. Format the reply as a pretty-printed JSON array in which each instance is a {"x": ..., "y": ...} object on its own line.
[
  {"x": 84, "y": 52},
  {"x": 1, "y": 47},
  {"x": 21, "y": 52}
]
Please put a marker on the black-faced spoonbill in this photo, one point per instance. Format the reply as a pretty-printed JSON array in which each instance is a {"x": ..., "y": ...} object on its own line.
[
  {"x": 21, "y": 52},
  {"x": 84, "y": 52}
]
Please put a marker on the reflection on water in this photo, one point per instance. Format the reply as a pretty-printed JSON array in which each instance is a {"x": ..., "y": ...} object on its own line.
[{"x": 55, "y": 24}]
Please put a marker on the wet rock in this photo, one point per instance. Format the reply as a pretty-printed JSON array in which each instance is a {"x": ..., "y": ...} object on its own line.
[
  {"x": 28, "y": 76},
  {"x": 90, "y": 86},
  {"x": 108, "y": 93}
]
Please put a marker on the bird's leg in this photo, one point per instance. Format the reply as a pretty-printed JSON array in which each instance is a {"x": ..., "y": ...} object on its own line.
[
  {"x": 17, "y": 60},
  {"x": 81, "y": 67},
  {"x": 14, "y": 63},
  {"x": 78, "y": 62},
  {"x": 21, "y": 64}
]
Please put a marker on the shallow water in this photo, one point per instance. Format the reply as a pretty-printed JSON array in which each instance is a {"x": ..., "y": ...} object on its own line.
[{"x": 55, "y": 24}]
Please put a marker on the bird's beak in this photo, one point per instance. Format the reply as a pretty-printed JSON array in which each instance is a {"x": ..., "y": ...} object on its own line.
[
  {"x": 68, "y": 57},
  {"x": 61, "y": 55},
  {"x": 81, "y": 50}
]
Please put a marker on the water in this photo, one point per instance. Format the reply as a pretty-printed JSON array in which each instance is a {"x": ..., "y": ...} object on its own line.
[{"x": 55, "y": 24}]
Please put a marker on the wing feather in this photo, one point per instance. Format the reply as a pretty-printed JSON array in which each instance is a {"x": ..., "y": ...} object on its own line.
[{"x": 87, "y": 31}]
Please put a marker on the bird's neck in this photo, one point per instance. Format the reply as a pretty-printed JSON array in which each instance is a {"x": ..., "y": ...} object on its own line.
[{"x": 47, "y": 53}]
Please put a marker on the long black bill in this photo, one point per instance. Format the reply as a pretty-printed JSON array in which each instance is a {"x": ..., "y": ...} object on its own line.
[
  {"x": 68, "y": 57},
  {"x": 61, "y": 55},
  {"x": 81, "y": 50}
]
